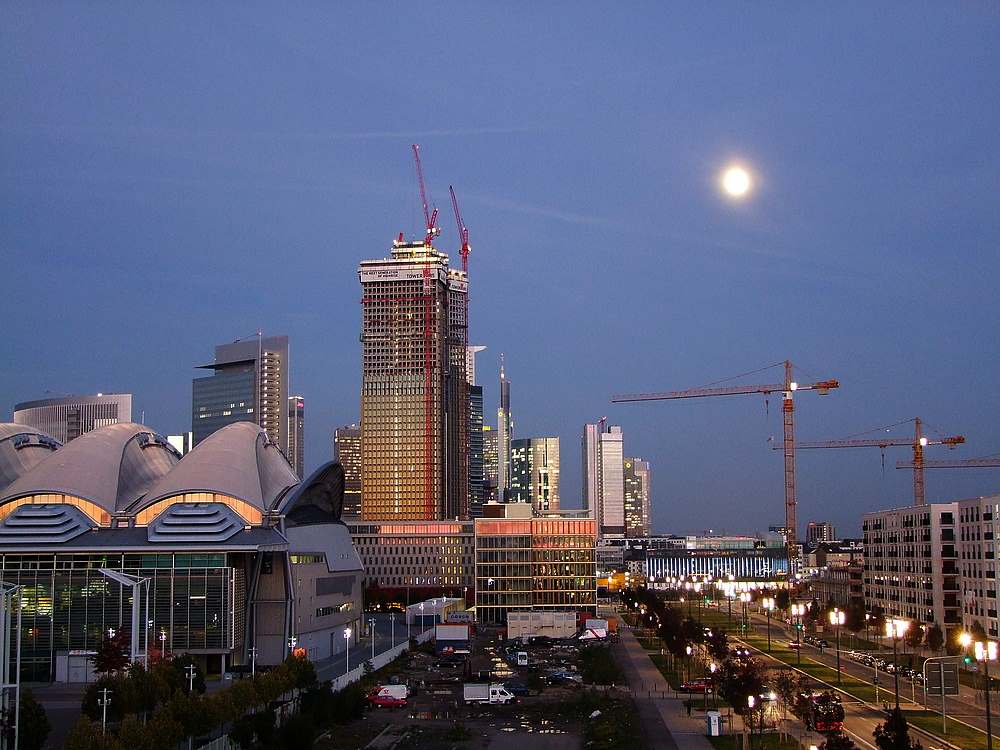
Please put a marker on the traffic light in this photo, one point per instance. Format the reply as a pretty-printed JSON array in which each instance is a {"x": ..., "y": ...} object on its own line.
[{"x": 967, "y": 659}]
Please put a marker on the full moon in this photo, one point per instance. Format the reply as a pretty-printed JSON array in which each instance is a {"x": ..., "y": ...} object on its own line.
[{"x": 736, "y": 182}]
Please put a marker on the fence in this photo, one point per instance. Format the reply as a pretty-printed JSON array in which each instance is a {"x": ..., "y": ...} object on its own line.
[
  {"x": 378, "y": 662},
  {"x": 288, "y": 709}
]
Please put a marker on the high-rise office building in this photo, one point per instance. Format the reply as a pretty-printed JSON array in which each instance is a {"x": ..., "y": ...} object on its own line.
[
  {"x": 637, "y": 489},
  {"x": 414, "y": 391},
  {"x": 296, "y": 434},
  {"x": 477, "y": 478},
  {"x": 604, "y": 478},
  {"x": 534, "y": 472},
  {"x": 820, "y": 531},
  {"x": 249, "y": 383},
  {"x": 505, "y": 431},
  {"x": 347, "y": 451},
  {"x": 491, "y": 464},
  {"x": 68, "y": 417}
]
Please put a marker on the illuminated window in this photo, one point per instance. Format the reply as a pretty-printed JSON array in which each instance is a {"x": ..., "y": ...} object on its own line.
[
  {"x": 247, "y": 512},
  {"x": 94, "y": 512}
]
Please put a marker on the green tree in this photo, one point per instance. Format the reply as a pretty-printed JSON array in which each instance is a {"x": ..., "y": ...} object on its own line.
[
  {"x": 977, "y": 631},
  {"x": 935, "y": 637},
  {"x": 783, "y": 599},
  {"x": 839, "y": 741},
  {"x": 914, "y": 636},
  {"x": 34, "y": 724},
  {"x": 112, "y": 655},
  {"x": 854, "y": 617},
  {"x": 894, "y": 733},
  {"x": 738, "y": 681},
  {"x": 86, "y": 735}
]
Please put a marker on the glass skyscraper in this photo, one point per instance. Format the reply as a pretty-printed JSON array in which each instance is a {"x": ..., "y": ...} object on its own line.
[
  {"x": 477, "y": 477},
  {"x": 534, "y": 472},
  {"x": 249, "y": 383},
  {"x": 414, "y": 393}
]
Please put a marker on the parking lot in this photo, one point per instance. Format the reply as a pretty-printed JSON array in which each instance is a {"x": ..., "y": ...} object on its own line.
[{"x": 550, "y": 707}]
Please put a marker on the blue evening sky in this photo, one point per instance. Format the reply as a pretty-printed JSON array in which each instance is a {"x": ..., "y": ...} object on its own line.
[{"x": 176, "y": 175}]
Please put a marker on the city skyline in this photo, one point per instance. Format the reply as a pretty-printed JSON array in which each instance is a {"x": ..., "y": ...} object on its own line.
[{"x": 826, "y": 262}]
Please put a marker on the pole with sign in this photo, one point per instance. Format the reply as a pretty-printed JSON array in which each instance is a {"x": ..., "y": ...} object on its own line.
[{"x": 941, "y": 679}]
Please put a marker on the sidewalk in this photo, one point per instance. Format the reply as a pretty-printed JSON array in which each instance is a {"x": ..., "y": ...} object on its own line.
[{"x": 665, "y": 721}]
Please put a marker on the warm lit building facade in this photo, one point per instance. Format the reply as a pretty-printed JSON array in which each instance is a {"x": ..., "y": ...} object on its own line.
[
  {"x": 68, "y": 417},
  {"x": 911, "y": 563},
  {"x": 534, "y": 472},
  {"x": 238, "y": 553},
  {"x": 414, "y": 391},
  {"x": 347, "y": 451},
  {"x": 978, "y": 529},
  {"x": 491, "y": 465},
  {"x": 416, "y": 555},
  {"x": 637, "y": 491},
  {"x": 534, "y": 563}
]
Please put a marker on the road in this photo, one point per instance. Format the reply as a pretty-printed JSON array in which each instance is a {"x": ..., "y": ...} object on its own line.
[
  {"x": 861, "y": 718},
  {"x": 386, "y": 634},
  {"x": 962, "y": 707}
]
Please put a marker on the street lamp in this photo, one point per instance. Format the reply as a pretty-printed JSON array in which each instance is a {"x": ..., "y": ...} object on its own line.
[
  {"x": 392, "y": 620},
  {"x": 347, "y": 637},
  {"x": 421, "y": 617},
  {"x": 985, "y": 651},
  {"x": 745, "y": 599},
  {"x": 711, "y": 668},
  {"x": 797, "y": 611},
  {"x": 751, "y": 701},
  {"x": 371, "y": 627},
  {"x": 163, "y": 644},
  {"x": 688, "y": 652},
  {"x": 768, "y": 605},
  {"x": 896, "y": 629},
  {"x": 837, "y": 618}
]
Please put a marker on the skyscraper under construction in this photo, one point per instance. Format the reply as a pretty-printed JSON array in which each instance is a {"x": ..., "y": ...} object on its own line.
[{"x": 414, "y": 391}]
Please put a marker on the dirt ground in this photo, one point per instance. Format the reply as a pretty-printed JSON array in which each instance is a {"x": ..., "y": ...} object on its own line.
[{"x": 438, "y": 719}]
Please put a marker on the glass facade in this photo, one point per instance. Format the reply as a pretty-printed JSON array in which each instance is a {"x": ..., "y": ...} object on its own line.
[
  {"x": 70, "y": 605},
  {"x": 534, "y": 472},
  {"x": 412, "y": 341},
  {"x": 227, "y": 396},
  {"x": 538, "y": 563}
]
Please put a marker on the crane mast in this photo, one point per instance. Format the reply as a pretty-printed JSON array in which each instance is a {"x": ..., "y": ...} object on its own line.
[{"x": 787, "y": 388}]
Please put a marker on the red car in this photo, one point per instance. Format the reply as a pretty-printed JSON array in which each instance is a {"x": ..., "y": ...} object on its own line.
[
  {"x": 794, "y": 645},
  {"x": 700, "y": 685},
  {"x": 389, "y": 695}
]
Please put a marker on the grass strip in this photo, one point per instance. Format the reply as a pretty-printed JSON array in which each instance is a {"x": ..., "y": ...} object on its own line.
[{"x": 962, "y": 735}]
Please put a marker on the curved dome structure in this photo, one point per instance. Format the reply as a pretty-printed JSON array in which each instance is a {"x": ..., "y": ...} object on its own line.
[
  {"x": 100, "y": 472},
  {"x": 21, "y": 449},
  {"x": 237, "y": 465}
]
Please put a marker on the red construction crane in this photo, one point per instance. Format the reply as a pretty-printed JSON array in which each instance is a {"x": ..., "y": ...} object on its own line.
[
  {"x": 918, "y": 442},
  {"x": 430, "y": 216},
  {"x": 463, "y": 232},
  {"x": 787, "y": 388},
  {"x": 988, "y": 462}
]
